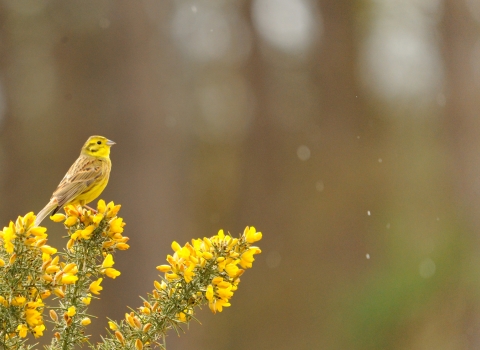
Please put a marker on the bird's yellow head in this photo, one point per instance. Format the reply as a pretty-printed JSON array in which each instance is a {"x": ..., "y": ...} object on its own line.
[{"x": 97, "y": 146}]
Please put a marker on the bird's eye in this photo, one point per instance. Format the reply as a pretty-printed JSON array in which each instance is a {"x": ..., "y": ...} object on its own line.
[{"x": 99, "y": 142}]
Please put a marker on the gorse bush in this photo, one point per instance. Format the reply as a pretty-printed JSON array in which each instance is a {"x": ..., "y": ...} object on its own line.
[{"x": 203, "y": 272}]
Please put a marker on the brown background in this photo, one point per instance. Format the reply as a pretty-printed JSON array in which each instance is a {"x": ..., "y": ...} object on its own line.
[{"x": 346, "y": 131}]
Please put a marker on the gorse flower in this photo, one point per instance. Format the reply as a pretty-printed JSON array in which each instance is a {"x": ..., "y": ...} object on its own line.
[
  {"x": 23, "y": 252},
  {"x": 203, "y": 271},
  {"x": 107, "y": 267},
  {"x": 95, "y": 287}
]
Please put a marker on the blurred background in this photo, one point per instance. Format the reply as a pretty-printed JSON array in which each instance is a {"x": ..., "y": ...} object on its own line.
[{"x": 346, "y": 131}]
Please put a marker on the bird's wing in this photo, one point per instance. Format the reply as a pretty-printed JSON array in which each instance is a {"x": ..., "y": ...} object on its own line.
[{"x": 79, "y": 177}]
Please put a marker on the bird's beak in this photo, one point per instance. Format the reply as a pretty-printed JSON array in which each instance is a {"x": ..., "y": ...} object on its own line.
[{"x": 110, "y": 143}]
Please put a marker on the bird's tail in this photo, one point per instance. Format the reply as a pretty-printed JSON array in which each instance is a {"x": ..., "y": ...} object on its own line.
[{"x": 45, "y": 211}]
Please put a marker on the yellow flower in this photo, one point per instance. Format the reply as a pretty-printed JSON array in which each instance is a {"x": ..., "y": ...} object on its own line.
[
  {"x": 130, "y": 320},
  {"x": 28, "y": 220},
  {"x": 232, "y": 268},
  {"x": 122, "y": 246},
  {"x": 157, "y": 285},
  {"x": 55, "y": 260},
  {"x": 112, "y": 326},
  {"x": 39, "y": 241},
  {"x": 108, "y": 262},
  {"x": 176, "y": 246},
  {"x": 57, "y": 217},
  {"x": 218, "y": 305},
  {"x": 59, "y": 293},
  {"x": 145, "y": 310},
  {"x": 112, "y": 209},
  {"x": 207, "y": 255},
  {"x": 251, "y": 235},
  {"x": 101, "y": 206},
  {"x": 112, "y": 273},
  {"x": 183, "y": 253},
  {"x": 164, "y": 268},
  {"x": 217, "y": 280},
  {"x": 8, "y": 236},
  {"x": 209, "y": 292},
  {"x": 246, "y": 259},
  {"x": 18, "y": 301},
  {"x": 71, "y": 210},
  {"x": 72, "y": 220},
  {"x": 70, "y": 268},
  {"x": 38, "y": 231},
  {"x": 188, "y": 274},
  {"x": 116, "y": 226},
  {"x": 85, "y": 322},
  {"x": 97, "y": 218},
  {"x": 38, "y": 330},
  {"x": 52, "y": 269},
  {"x": 46, "y": 257},
  {"x": 87, "y": 233},
  {"x": 19, "y": 225},
  {"x": 86, "y": 300},
  {"x": 224, "y": 290},
  {"x": 2, "y": 262},
  {"x": 69, "y": 278},
  {"x": 22, "y": 330},
  {"x": 95, "y": 287},
  {"x": 48, "y": 250},
  {"x": 33, "y": 317},
  {"x": 71, "y": 311},
  {"x": 171, "y": 276}
]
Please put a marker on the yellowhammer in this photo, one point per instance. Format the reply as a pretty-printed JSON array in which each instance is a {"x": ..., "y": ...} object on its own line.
[{"x": 85, "y": 179}]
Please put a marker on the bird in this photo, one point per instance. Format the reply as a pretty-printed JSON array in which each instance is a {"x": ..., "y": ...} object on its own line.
[{"x": 85, "y": 180}]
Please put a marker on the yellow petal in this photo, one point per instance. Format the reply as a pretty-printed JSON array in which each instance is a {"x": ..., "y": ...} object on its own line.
[
  {"x": 164, "y": 268},
  {"x": 69, "y": 267},
  {"x": 71, "y": 311},
  {"x": 69, "y": 279},
  {"x": 72, "y": 220},
  {"x": 58, "y": 217},
  {"x": 85, "y": 322},
  {"x": 176, "y": 246},
  {"x": 112, "y": 273},
  {"x": 95, "y": 287},
  {"x": 108, "y": 262},
  {"x": 48, "y": 250},
  {"x": 101, "y": 206}
]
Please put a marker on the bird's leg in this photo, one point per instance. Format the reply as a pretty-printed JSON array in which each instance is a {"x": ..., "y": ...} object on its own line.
[{"x": 93, "y": 210}]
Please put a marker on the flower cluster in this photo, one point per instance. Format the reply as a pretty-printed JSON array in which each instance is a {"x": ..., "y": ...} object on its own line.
[
  {"x": 94, "y": 235},
  {"x": 225, "y": 252},
  {"x": 205, "y": 271},
  {"x": 82, "y": 223},
  {"x": 23, "y": 256}
]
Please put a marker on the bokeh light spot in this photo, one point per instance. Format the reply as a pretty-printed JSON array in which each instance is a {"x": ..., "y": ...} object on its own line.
[
  {"x": 286, "y": 24},
  {"x": 203, "y": 34},
  {"x": 320, "y": 186},
  {"x": 427, "y": 268},
  {"x": 303, "y": 153}
]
